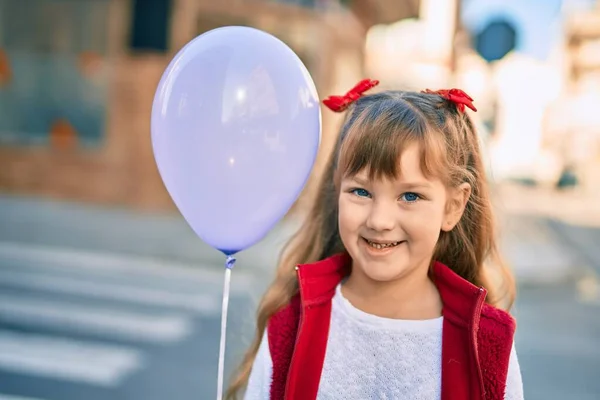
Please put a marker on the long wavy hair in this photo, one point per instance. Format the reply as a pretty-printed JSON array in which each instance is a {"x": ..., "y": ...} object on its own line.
[{"x": 376, "y": 130}]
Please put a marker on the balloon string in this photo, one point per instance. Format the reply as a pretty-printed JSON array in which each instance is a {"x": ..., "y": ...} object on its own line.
[{"x": 228, "y": 266}]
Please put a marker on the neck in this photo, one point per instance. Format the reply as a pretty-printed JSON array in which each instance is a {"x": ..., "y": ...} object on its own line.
[{"x": 412, "y": 297}]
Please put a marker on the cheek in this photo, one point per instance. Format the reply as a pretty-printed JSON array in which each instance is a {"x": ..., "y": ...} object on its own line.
[
  {"x": 344, "y": 215},
  {"x": 349, "y": 215},
  {"x": 436, "y": 221},
  {"x": 426, "y": 220}
]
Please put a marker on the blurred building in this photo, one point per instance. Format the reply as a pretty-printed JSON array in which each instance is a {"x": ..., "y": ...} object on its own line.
[
  {"x": 77, "y": 79},
  {"x": 573, "y": 121}
]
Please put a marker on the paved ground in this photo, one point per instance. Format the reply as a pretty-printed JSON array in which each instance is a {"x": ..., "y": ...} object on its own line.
[
  {"x": 557, "y": 342},
  {"x": 81, "y": 326}
]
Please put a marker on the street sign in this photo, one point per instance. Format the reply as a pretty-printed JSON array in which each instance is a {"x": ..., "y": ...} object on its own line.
[{"x": 495, "y": 40}]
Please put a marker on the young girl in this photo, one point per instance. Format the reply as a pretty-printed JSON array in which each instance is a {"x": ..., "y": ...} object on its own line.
[{"x": 382, "y": 293}]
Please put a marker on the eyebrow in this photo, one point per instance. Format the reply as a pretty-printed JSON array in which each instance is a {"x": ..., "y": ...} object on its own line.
[
  {"x": 409, "y": 185},
  {"x": 416, "y": 185},
  {"x": 360, "y": 181}
]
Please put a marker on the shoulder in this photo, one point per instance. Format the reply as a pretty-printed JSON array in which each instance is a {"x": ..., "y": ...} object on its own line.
[
  {"x": 259, "y": 381},
  {"x": 496, "y": 322}
]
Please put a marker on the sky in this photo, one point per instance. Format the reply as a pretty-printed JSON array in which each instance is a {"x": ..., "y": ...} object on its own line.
[{"x": 537, "y": 22}]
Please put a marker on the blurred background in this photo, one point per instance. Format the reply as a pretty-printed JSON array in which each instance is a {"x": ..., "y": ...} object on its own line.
[{"x": 106, "y": 293}]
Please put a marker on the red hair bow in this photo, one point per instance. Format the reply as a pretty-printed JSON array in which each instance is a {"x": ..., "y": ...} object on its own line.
[
  {"x": 457, "y": 96},
  {"x": 340, "y": 103}
]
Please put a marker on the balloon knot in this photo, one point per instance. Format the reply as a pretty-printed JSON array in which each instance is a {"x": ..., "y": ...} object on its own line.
[{"x": 229, "y": 262}]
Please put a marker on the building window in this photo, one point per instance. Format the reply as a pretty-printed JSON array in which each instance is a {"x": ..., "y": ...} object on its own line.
[{"x": 150, "y": 25}]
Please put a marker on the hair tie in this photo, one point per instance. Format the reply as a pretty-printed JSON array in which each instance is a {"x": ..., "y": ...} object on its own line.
[
  {"x": 456, "y": 96},
  {"x": 340, "y": 103}
]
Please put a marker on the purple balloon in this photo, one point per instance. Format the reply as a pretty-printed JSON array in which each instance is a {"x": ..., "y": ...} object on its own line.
[{"x": 236, "y": 126}]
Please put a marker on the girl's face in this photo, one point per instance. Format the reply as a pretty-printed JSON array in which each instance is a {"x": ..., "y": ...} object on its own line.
[{"x": 390, "y": 227}]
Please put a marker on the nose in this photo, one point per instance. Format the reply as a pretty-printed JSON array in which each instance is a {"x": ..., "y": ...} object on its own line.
[{"x": 381, "y": 216}]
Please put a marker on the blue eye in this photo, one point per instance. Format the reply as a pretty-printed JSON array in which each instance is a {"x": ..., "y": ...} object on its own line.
[
  {"x": 360, "y": 192},
  {"x": 410, "y": 197}
]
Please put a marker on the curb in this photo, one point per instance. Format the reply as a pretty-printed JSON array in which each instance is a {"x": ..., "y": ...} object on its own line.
[{"x": 572, "y": 277}]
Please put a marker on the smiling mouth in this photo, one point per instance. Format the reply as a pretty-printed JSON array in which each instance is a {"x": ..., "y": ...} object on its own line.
[{"x": 379, "y": 245}]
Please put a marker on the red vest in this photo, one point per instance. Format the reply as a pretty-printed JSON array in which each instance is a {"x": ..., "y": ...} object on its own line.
[{"x": 476, "y": 337}]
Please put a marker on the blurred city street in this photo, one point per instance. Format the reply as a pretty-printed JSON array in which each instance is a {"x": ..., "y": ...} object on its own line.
[
  {"x": 105, "y": 290},
  {"x": 125, "y": 305}
]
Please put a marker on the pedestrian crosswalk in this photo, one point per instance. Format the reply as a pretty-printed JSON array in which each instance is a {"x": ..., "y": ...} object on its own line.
[{"x": 89, "y": 319}]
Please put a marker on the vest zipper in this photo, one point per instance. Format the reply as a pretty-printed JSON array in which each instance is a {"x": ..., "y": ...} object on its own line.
[
  {"x": 301, "y": 320},
  {"x": 474, "y": 329}
]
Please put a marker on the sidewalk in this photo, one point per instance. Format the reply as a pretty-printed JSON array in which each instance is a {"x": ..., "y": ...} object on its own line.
[
  {"x": 535, "y": 246},
  {"x": 549, "y": 235}
]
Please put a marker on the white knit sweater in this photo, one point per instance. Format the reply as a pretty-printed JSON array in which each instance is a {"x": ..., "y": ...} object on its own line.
[{"x": 370, "y": 357}]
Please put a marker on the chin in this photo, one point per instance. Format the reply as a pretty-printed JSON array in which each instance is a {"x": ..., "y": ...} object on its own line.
[{"x": 384, "y": 273}]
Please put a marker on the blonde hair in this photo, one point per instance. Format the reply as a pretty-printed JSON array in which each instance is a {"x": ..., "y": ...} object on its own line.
[{"x": 376, "y": 130}]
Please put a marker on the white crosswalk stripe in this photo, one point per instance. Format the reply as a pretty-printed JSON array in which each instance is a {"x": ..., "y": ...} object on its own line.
[
  {"x": 207, "y": 304},
  {"x": 125, "y": 266},
  {"x": 87, "y": 362},
  {"x": 95, "y": 319}
]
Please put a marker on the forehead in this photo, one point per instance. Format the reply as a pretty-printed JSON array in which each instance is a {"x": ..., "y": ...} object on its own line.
[
  {"x": 409, "y": 167},
  {"x": 410, "y": 163}
]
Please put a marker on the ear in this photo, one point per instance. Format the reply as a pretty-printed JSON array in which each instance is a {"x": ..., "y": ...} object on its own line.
[{"x": 455, "y": 205}]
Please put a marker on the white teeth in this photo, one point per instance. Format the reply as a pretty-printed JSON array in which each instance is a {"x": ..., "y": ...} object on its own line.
[{"x": 382, "y": 245}]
